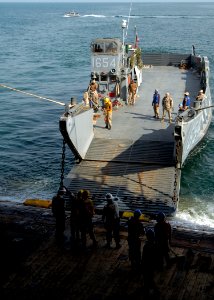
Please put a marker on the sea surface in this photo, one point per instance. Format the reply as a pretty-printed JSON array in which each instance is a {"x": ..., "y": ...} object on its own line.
[{"x": 44, "y": 53}]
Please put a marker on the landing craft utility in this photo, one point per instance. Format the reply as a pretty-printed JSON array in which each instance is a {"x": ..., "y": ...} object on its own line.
[{"x": 140, "y": 159}]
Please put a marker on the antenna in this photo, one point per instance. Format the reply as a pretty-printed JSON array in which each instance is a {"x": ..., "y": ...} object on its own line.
[
  {"x": 124, "y": 26},
  {"x": 128, "y": 19}
]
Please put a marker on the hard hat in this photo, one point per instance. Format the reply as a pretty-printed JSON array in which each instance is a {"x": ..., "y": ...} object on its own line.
[
  {"x": 137, "y": 213},
  {"x": 106, "y": 99},
  {"x": 62, "y": 190},
  {"x": 109, "y": 196},
  {"x": 201, "y": 91},
  {"x": 161, "y": 216},
  {"x": 85, "y": 194},
  {"x": 186, "y": 93},
  {"x": 79, "y": 193},
  {"x": 156, "y": 91}
]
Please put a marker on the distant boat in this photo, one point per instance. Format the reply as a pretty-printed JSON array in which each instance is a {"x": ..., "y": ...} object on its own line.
[{"x": 72, "y": 14}]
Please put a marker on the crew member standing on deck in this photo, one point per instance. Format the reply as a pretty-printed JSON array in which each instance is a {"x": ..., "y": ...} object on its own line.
[
  {"x": 93, "y": 95},
  {"x": 201, "y": 96},
  {"x": 86, "y": 213},
  {"x": 135, "y": 231},
  {"x": 111, "y": 219},
  {"x": 167, "y": 104},
  {"x": 75, "y": 218},
  {"x": 155, "y": 103},
  {"x": 107, "y": 111},
  {"x": 132, "y": 89},
  {"x": 163, "y": 238},
  {"x": 58, "y": 209},
  {"x": 149, "y": 263}
]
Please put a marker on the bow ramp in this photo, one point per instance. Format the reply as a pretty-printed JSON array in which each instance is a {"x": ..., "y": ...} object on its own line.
[{"x": 141, "y": 174}]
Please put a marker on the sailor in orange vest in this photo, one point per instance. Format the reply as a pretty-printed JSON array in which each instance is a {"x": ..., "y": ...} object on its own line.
[{"x": 107, "y": 111}]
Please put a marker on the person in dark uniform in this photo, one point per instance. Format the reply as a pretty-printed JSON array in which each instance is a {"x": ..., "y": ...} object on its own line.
[
  {"x": 135, "y": 231},
  {"x": 163, "y": 238},
  {"x": 155, "y": 103},
  {"x": 86, "y": 213},
  {"x": 75, "y": 217},
  {"x": 111, "y": 219},
  {"x": 149, "y": 262},
  {"x": 58, "y": 209}
]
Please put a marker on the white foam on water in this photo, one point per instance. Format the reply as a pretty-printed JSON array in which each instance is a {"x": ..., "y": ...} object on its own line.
[{"x": 192, "y": 218}]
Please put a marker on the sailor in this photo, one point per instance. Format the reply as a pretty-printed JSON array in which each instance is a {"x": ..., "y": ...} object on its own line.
[
  {"x": 200, "y": 96},
  {"x": 111, "y": 219},
  {"x": 135, "y": 231},
  {"x": 155, "y": 103},
  {"x": 132, "y": 89},
  {"x": 186, "y": 101},
  {"x": 163, "y": 238},
  {"x": 58, "y": 210},
  {"x": 75, "y": 217},
  {"x": 86, "y": 213},
  {"x": 86, "y": 98},
  {"x": 93, "y": 95},
  {"x": 167, "y": 104},
  {"x": 149, "y": 262},
  {"x": 107, "y": 111}
]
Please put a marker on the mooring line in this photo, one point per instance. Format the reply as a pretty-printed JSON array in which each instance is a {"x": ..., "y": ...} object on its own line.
[{"x": 33, "y": 95}]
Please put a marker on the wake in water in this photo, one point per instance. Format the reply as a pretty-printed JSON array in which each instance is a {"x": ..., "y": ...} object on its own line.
[
  {"x": 191, "y": 218},
  {"x": 144, "y": 17}
]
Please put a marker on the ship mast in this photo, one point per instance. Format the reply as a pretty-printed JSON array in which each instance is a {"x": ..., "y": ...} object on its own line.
[{"x": 123, "y": 25}]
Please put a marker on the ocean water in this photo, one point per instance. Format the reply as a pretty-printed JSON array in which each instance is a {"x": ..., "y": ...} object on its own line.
[{"x": 47, "y": 54}]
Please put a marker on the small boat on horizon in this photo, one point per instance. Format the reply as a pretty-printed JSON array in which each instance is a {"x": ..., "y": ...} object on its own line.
[{"x": 72, "y": 14}]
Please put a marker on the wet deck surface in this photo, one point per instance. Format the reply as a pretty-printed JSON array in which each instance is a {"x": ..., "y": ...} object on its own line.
[
  {"x": 34, "y": 267},
  {"x": 135, "y": 159}
]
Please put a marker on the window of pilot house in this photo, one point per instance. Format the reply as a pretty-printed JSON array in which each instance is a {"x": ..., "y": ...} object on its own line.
[
  {"x": 111, "y": 47},
  {"x": 98, "y": 47},
  {"x": 113, "y": 78},
  {"x": 103, "y": 77}
]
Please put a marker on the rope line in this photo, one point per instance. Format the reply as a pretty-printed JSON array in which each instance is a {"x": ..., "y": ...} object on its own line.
[{"x": 33, "y": 95}]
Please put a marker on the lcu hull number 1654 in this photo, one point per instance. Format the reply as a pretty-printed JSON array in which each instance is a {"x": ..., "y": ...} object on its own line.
[{"x": 104, "y": 62}]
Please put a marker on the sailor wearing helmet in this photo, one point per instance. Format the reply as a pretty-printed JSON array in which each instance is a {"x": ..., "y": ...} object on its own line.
[
  {"x": 107, "y": 111},
  {"x": 186, "y": 101},
  {"x": 155, "y": 103},
  {"x": 111, "y": 219},
  {"x": 200, "y": 96},
  {"x": 58, "y": 210},
  {"x": 163, "y": 237},
  {"x": 135, "y": 231}
]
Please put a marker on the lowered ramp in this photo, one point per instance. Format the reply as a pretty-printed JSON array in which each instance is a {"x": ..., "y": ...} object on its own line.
[{"x": 140, "y": 173}]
